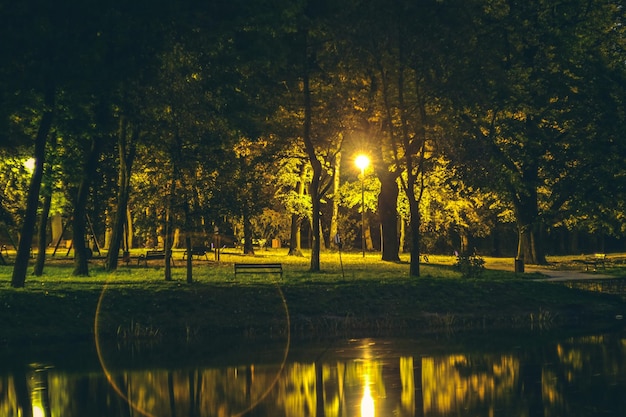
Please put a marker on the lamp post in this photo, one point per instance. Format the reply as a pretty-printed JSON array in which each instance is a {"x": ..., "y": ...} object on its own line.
[{"x": 362, "y": 162}]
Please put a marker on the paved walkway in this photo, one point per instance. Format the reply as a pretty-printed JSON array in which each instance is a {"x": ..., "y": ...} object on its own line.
[
  {"x": 555, "y": 274},
  {"x": 565, "y": 275}
]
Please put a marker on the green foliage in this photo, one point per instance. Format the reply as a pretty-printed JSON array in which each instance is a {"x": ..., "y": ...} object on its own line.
[
  {"x": 350, "y": 194},
  {"x": 271, "y": 224},
  {"x": 14, "y": 177},
  {"x": 470, "y": 265}
]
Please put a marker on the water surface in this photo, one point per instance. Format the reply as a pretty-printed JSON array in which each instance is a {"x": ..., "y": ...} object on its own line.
[{"x": 488, "y": 374}]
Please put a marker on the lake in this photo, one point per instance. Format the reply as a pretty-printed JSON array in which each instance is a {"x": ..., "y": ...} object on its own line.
[{"x": 505, "y": 373}]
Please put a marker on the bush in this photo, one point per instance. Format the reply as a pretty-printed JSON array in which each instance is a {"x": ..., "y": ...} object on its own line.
[{"x": 470, "y": 265}]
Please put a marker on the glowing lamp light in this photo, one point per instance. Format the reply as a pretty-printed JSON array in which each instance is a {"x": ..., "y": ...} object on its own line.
[{"x": 362, "y": 162}]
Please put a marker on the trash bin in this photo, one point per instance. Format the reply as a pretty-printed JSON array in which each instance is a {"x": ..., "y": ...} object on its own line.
[{"x": 519, "y": 266}]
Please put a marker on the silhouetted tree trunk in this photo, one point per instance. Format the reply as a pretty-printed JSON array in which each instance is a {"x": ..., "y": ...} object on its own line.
[
  {"x": 367, "y": 228},
  {"x": 248, "y": 247},
  {"x": 314, "y": 187},
  {"x": 43, "y": 222},
  {"x": 42, "y": 235},
  {"x": 126, "y": 150},
  {"x": 388, "y": 213},
  {"x": 188, "y": 243},
  {"x": 295, "y": 238},
  {"x": 295, "y": 246},
  {"x": 525, "y": 202},
  {"x": 334, "y": 220},
  {"x": 414, "y": 227},
  {"x": 169, "y": 226},
  {"x": 82, "y": 253},
  {"x": 32, "y": 200}
]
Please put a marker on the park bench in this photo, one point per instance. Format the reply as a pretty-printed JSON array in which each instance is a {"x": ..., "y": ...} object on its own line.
[
  {"x": 598, "y": 259},
  {"x": 241, "y": 268},
  {"x": 198, "y": 251},
  {"x": 152, "y": 254}
]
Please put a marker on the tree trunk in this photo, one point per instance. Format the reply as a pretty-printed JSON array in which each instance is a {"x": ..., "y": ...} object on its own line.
[
  {"x": 32, "y": 200},
  {"x": 248, "y": 247},
  {"x": 414, "y": 226},
  {"x": 334, "y": 220},
  {"x": 315, "y": 223},
  {"x": 42, "y": 235},
  {"x": 169, "y": 226},
  {"x": 295, "y": 246},
  {"x": 367, "y": 228},
  {"x": 402, "y": 234},
  {"x": 314, "y": 187},
  {"x": 128, "y": 230},
  {"x": 126, "y": 151},
  {"x": 529, "y": 246},
  {"x": 188, "y": 243},
  {"x": 388, "y": 213},
  {"x": 189, "y": 265},
  {"x": 295, "y": 239},
  {"x": 82, "y": 253}
]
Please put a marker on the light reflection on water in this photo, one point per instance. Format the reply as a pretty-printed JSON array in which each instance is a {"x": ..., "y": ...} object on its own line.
[{"x": 572, "y": 376}]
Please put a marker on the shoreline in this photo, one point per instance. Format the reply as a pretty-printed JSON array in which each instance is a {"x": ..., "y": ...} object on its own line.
[{"x": 202, "y": 310}]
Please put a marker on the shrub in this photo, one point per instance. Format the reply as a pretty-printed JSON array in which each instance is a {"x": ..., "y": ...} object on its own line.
[{"x": 470, "y": 265}]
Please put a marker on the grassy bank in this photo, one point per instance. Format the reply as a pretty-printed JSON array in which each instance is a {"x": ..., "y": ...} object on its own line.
[{"x": 365, "y": 297}]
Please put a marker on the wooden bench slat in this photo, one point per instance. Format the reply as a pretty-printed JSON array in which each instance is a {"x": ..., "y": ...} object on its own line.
[{"x": 258, "y": 268}]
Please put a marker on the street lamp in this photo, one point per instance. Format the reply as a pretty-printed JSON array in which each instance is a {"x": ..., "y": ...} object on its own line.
[{"x": 362, "y": 162}]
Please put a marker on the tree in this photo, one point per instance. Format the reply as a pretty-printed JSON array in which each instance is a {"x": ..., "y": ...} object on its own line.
[
  {"x": 42, "y": 237},
  {"x": 522, "y": 116},
  {"x": 33, "y": 69},
  {"x": 23, "y": 251},
  {"x": 127, "y": 148}
]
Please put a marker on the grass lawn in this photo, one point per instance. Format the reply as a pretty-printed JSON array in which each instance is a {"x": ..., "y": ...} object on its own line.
[{"x": 365, "y": 297}]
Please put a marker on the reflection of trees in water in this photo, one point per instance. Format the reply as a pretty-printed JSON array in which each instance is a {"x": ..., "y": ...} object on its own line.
[
  {"x": 589, "y": 377},
  {"x": 456, "y": 382},
  {"x": 565, "y": 379}
]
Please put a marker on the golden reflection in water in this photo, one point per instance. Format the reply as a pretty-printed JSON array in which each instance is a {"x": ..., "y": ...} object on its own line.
[
  {"x": 38, "y": 411},
  {"x": 451, "y": 381},
  {"x": 410, "y": 386},
  {"x": 367, "y": 402},
  {"x": 407, "y": 378}
]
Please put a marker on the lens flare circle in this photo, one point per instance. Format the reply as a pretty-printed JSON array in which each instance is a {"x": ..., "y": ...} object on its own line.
[{"x": 146, "y": 413}]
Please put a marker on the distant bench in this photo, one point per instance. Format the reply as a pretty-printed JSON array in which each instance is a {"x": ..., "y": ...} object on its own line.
[
  {"x": 598, "y": 259},
  {"x": 152, "y": 254},
  {"x": 259, "y": 269}
]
